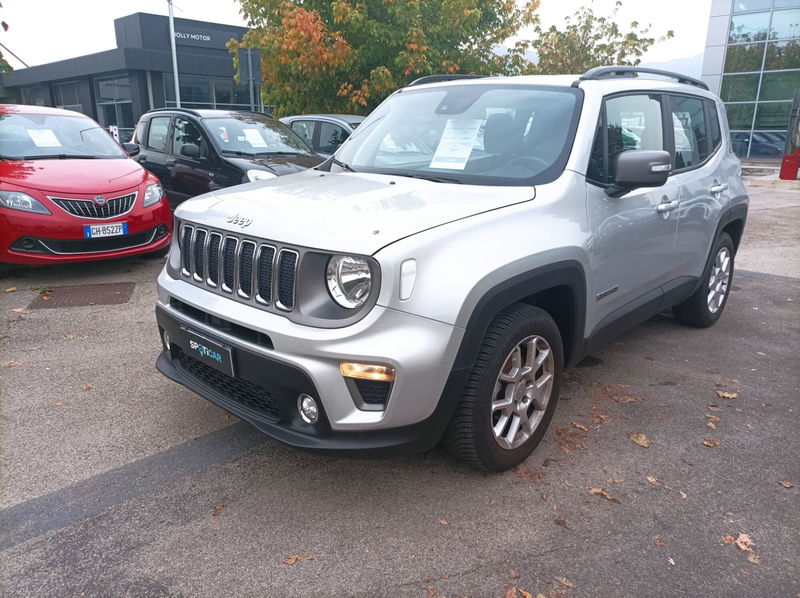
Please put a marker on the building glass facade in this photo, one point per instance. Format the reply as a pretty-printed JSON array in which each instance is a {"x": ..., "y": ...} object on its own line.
[{"x": 755, "y": 70}]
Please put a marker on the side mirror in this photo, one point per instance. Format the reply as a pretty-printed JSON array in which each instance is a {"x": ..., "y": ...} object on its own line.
[
  {"x": 132, "y": 148},
  {"x": 190, "y": 150},
  {"x": 640, "y": 168}
]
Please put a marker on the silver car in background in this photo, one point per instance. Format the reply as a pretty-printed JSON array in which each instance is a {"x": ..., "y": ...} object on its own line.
[{"x": 324, "y": 133}]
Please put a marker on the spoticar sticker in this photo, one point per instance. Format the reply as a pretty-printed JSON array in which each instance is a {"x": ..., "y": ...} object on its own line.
[{"x": 456, "y": 144}]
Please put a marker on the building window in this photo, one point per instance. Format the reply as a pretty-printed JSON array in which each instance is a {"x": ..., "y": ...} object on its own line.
[
  {"x": 114, "y": 106},
  {"x": 751, "y": 5},
  {"x": 739, "y": 88},
  {"x": 66, "y": 95},
  {"x": 751, "y": 27},
  {"x": 36, "y": 96},
  {"x": 210, "y": 92}
]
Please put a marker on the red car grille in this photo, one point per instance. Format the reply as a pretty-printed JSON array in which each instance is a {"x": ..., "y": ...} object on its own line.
[{"x": 88, "y": 208}]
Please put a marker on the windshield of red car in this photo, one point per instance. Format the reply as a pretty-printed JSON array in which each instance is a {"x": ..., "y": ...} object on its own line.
[{"x": 54, "y": 136}]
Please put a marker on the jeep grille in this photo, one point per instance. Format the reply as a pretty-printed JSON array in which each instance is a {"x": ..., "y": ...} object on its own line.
[{"x": 245, "y": 269}]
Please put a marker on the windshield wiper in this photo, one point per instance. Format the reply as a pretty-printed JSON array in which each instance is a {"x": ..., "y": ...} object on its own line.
[
  {"x": 59, "y": 157},
  {"x": 428, "y": 177},
  {"x": 340, "y": 164}
]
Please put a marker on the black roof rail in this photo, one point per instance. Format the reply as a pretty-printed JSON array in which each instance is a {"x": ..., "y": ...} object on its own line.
[
  {"x": 610, "y": 72},
  {"x": 175, "y": 109},
  {"x": 440, "y": 78}
]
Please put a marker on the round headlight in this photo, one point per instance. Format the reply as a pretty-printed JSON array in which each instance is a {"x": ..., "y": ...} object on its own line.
[
  {"x": 259, "y": 175},
  {"x": 349, "y": 280}
]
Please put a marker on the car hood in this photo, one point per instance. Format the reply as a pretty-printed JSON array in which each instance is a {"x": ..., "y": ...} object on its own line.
[
  {"x": 73, "y": 176},
  {"x": 346, "y": 212},
  {"x": 278, "y": 164}
]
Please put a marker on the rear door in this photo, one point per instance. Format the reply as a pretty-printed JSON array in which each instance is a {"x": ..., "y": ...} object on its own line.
[
  {"x": 699, "y": 172},
  {"x": 330, "y": 136},
  {"x": 632, "y": 236},
  {"x": 154, "y": 154}
]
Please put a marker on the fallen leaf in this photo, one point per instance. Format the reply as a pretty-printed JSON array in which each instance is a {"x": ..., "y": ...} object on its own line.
[
  {"x": 291, "y": 560},
  {"x": 728, "y": 539},
  {"x": 33, "y": 288},
  {"x": 711, "y": 442},
  {"x": 683, "y": 494},
  {"x": 653, "y": 480},
  {"x": 3, "y": 335},
  {"x": 787, "y": 484},
  {"x": 753, "y": 558},
  {"x": 524, "y": 594},
  {"x": 513, "y": 574},
  {"x": 564, "y": 582},
  {"x": 640, "y": 439},
  {"x": 21, "y": 310},
  {"x": 511, "y": 592},
  {"x": 444, "y": 576},
  {"x": 569, "y": 440},
  {"x": 726, "y": 395},
  {"x": 600, "y": 418},
  {"x": 11, "y": 290},
  {"x": 87, "y": 387},
  {"x": 579, "y": 426},
  {"x": 744, "y": 542},
  {"x": 10, "y": 364},
  {"x": 564, "y": 524},
  {"x": 711, "y": 425},
  {"x": 659, "y": 542},
  {"x": 714, "y": 408},
  {"x": 57, "y": 404},
  {"x": 604, "y": 494},
  {"x": 217, "y": 511},
  {"x": 712, "y": 418},
  {"x": 443, "y": 522},
  {"x": 671, "y": 562}
]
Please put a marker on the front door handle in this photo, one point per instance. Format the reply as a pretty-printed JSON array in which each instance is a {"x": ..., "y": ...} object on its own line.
[
  {"x": 719, "y": 188},
  {"x": 667, "y": 206},
  {"x": 170, "y": 162}
]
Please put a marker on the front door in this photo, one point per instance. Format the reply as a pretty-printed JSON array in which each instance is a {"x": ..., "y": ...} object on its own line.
[
  {"x": 191, "y": 176},
  {"x": 633, "y": 236}
]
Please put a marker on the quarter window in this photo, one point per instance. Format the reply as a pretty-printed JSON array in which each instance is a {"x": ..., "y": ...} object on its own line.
[
  {"x": 715, "y": 133},
  {"x": 689, "y": 127},
  {"x": 158, "y": 135}
]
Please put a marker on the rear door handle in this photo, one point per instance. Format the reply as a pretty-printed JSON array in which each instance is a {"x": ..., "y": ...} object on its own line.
[
  {"x": 667, "y": 206},
  {"x": 715, "y": 189}
]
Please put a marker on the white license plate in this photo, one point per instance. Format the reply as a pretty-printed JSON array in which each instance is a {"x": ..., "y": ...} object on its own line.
[{"x": 93, "y": 231}]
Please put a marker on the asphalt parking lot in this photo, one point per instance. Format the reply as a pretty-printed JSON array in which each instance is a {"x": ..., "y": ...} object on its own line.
[{"x": 671, "y": 467}]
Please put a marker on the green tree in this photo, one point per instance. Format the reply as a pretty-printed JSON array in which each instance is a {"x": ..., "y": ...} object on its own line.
[
  {"x": 587, "y": 41},
  {"x": 348, "y": 55}
]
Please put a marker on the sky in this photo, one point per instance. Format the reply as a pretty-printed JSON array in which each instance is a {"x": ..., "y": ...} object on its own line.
[{"x": 42, "y": 31}]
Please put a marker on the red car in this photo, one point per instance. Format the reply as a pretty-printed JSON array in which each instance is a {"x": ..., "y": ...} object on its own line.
[{"x": 69, "y": 192}]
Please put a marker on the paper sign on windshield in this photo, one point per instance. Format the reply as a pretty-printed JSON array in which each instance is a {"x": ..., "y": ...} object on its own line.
[
  {"x": 456, "y": 143},
  {"x": 44, "y": 138},
  {"x": 253, "y": 136}
]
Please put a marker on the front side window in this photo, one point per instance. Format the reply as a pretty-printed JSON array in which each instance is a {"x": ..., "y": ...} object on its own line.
[
  {"x": 331, "y": 136},
  {"x": 304, "y": 128},
  {"x": 45, "y": 136},
  {"x": 477, "y": 134},
  {"x": 631, "y": 122},
  {"x": 689, "y": 127},
  {"x": 158, "y": 134},
  {"x": 186, "y": 132}
]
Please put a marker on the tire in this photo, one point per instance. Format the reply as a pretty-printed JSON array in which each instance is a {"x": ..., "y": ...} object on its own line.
[
  {"x": 708, "y": 302},
  {"x": 517, "y": 335}
]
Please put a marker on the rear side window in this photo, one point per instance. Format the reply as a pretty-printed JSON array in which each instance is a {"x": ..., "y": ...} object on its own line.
[
  {"x": 714, "y": 131},
  {"x": 690, "y": 132},
  {"x": 630, "y": 122},
  {"x": 331, "y": 136},
  {"x": 158, "y": 134}
]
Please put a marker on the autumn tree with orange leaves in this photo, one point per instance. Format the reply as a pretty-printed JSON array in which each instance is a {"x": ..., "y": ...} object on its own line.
[{"x": 347, "y": 55}]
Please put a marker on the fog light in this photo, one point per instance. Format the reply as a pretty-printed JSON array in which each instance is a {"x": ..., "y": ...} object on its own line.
[
  {"x": 161, "y": 230},
  {"x": 367, "y": 371},
  {"x": 28, "y": 242},
  {"x": 308, "y": 408}
]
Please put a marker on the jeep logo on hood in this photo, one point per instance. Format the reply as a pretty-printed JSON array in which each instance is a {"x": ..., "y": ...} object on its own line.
[{"x": 240, "y": 221}]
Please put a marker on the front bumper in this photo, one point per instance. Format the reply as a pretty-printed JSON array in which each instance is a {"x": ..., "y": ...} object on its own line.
[{"x": 297, "y": 359}]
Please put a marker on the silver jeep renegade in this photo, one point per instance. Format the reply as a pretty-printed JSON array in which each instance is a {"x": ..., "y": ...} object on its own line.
[{"x": 431, "y": 280}]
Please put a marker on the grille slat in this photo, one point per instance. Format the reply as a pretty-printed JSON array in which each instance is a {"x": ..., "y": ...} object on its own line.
[
  {"x": 266, "y": 256},
  {"x": 88, "y": 208},
  {"x": 287, "y": 262},
  {"x": 246, "y": 268}
]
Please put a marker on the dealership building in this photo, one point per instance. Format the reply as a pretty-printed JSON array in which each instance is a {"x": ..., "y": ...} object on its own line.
[
  {"x": 116, "y": 86},
  {"x": 752, "y": 60}
]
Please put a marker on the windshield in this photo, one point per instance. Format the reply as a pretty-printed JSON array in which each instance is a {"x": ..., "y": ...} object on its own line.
[
  {"x": 475, "y": 134},
  {"x": 253, "y": 135},
  {"x": 47, "y": 136}
]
